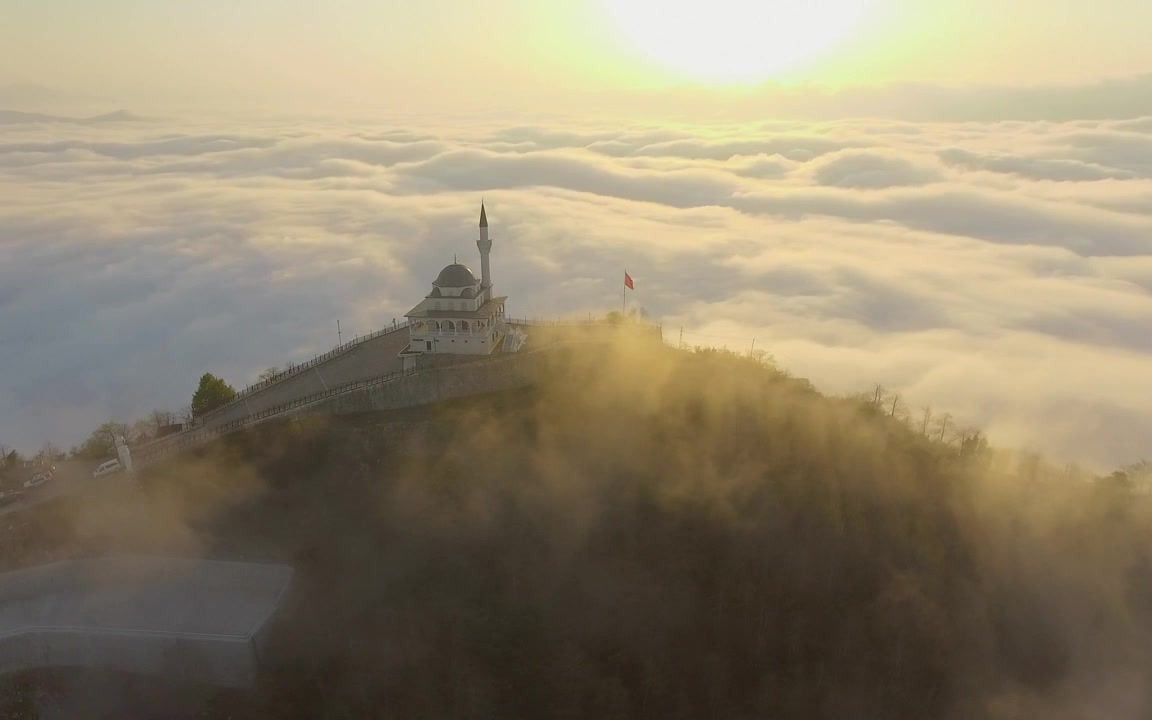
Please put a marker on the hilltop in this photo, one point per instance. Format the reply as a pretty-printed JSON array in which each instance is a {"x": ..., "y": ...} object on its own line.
[{"x": 655, "y": 533}]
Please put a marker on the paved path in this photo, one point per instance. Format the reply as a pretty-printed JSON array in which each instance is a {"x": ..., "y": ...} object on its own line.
[{"x": 368, "y": 360}]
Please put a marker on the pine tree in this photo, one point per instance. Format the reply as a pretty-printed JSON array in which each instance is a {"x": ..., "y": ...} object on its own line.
[{"x": 212, "y": 393}]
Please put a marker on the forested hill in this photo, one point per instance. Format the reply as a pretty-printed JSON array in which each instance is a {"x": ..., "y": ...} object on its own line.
[{"x": 660, "y": 534}]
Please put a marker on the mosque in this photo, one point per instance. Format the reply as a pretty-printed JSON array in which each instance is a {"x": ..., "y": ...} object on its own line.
[{"x": 461, "y": 315}]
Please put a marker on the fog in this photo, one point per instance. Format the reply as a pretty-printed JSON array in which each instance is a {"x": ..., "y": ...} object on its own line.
[
  {"x": 656, "y": 533},
  {"x": 988, "y": 269}
]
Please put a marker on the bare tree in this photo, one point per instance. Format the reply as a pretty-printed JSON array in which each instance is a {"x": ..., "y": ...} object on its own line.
[
  {"x": 942, "y": 425},
  {"x": 879, "y": 395},
  {"x": 1141, "y": 476},
  {"x": 896, "y": 406},
  {"x": 925, "y": 418},
  {"x": 972, "y": 442},
  {"x": 141, "y": 431},
  {"x": 47, "y": 454}
]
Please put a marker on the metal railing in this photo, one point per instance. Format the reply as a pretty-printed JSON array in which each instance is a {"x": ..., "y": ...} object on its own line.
[
  {"x": 555, "y": 322},
  {"x": 294, "y": 370},
  {"x": 200, "y": 435},
  {"x": 592, "y": 323}
]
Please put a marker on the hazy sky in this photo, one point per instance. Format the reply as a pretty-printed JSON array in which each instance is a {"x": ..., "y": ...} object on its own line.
[{"x": 436, "y": 53}]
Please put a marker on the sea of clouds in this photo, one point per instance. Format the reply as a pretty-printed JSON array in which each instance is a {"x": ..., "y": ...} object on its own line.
[{"x": 999, "y": 271}]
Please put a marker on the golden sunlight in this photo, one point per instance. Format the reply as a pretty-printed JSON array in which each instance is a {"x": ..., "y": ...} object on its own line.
[{"x": 735, "y": 41}]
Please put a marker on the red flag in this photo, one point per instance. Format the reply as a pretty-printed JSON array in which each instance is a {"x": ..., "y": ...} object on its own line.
[{"x": 628, "y": 281}]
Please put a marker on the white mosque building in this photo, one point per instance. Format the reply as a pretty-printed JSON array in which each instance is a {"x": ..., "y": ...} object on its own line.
[{"x": 461, "y": 316}]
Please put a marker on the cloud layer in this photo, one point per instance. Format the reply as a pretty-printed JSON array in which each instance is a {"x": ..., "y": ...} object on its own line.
[{"x": 1000, "y": 271}]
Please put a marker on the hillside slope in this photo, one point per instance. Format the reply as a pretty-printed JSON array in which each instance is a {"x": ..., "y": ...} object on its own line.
[{"x": 659, "y": 534}]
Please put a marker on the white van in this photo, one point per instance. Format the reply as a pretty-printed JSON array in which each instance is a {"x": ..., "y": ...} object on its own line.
[{"x": 107, "y": 468}]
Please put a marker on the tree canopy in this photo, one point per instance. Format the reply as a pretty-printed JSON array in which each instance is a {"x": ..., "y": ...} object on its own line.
[
  {"x": 212, "y": 393},
  {"x": 101, "y": 444}
]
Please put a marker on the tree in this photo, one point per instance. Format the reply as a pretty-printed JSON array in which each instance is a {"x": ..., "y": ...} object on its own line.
[
  {"x": 943, "y": 423},
  {"x": 268, "y": 374},
  {"x": 896, "y": 407},
  {"x": 101, "y": 444},
  {"x": 1118, "y": 482},
  {"x": 1142, "y": 469},
  {"x": 762, "y": 357},
  {"x": 879, "y": 397},
  {"x": 48, "y": 454},
  {"x": 882, "y": 401},
  {"x": 972, "y": 443},
  {"x": 161, "y": 418},
  {"x": 1140, "y": 475},
  {"x": 149, "y": 427},
  {"x": 925, "y": 418},
  {"x": 141, "y": 431},
  {"x": 212, "y": 393}
]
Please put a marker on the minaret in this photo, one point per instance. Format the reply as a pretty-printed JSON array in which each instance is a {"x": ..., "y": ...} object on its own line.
[{"x": 485, "y": 245}]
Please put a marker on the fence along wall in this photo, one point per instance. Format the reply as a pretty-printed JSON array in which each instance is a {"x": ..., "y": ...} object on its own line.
[
  {"x": 369, "y": 377},
  {"x": 375, "y": 356},
  {"x": 394, "y": 391},
  {"x": 338, "y": 350},
  {"x": 361, "y": 361},
  {"x": 435, "y": 385}
]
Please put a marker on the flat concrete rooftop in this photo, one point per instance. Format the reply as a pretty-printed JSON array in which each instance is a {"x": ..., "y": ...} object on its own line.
[{"x": 185, "y": 619}]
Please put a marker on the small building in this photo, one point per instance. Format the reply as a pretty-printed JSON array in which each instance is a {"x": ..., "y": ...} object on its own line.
[{"x": 461, "y": 315}]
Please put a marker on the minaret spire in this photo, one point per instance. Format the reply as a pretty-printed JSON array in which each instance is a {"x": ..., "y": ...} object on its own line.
[{"x": 485, "y": 246}]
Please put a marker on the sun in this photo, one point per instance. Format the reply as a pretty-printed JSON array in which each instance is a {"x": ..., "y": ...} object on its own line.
[{"x": 736, "y": 41}]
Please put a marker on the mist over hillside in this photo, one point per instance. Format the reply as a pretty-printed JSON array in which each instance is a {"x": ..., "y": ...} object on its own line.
[{"x": 654, "y": 533}]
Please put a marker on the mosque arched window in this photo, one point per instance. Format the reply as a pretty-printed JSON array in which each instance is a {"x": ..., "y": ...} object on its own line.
[
  {"x": 463, "y": 326},
  {"x": 450, "y": 327}
]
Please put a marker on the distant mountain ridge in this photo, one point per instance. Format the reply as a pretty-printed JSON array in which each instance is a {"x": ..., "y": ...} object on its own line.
[{"x": 16, "y": 117}]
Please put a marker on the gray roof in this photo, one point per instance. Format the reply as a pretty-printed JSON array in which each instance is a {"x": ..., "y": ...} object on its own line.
[
  {"x": 199, "y": 620},
  {"x": 455, "y": 276}
]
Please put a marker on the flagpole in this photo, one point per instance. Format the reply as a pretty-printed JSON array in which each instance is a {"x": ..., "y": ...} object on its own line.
[{"x": 624, "y": 303}]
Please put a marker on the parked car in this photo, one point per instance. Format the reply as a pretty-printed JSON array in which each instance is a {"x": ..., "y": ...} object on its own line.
[
  {"x": 107, "y": 467},
  {"x": 37, "y": 480}
]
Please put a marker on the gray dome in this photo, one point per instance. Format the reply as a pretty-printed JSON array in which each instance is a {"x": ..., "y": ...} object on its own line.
[{"x": 455, "y": 276}]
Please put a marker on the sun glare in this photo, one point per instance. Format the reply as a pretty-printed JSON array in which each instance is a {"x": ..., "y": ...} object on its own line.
[{"x": 735, "y": 41}]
